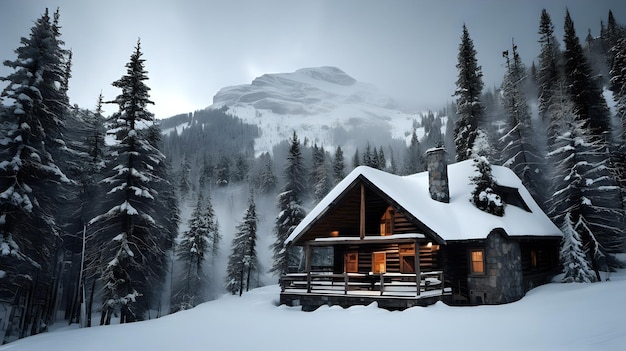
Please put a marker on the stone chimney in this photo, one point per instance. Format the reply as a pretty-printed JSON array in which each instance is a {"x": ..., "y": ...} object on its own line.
[{"x": 437, "y": 166}]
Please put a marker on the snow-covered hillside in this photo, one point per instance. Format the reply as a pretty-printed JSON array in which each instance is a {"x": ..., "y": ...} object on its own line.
[
  {"x": 551, "y": 317},
  {"x": 323, "y": 104}
]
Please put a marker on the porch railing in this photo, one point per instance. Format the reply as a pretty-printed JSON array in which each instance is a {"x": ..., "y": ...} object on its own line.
[{"x": 382, "y": 284}]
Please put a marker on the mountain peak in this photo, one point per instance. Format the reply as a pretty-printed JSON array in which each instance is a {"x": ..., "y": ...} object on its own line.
[
  {"x": 323, "y": 104},
  {"x": 328, "y": 74},
  {"x": 306, "y": 91}
]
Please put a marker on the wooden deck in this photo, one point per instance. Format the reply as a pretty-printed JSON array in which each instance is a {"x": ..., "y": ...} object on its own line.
[{"x": 395, "y": 291}]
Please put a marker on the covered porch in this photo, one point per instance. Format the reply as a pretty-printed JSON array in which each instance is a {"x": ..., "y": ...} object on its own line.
[{"x": 358, "y": 271}]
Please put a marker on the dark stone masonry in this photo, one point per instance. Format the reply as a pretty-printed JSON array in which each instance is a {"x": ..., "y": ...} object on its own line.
[
  {"x": 437, "y": 166},
  {"x": 502, "y": 280}
]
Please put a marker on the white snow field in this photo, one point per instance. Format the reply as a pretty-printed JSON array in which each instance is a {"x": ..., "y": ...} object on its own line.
[{"x": 555, "y": 316}]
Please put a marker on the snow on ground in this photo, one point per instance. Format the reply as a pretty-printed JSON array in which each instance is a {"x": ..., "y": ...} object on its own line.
[{"x": 551, "y": 317}]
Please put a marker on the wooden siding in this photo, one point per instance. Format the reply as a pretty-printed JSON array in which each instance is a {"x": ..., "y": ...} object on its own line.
[
  {"x": 344, "y": 216},
  {"x": 429, "y": 257},
  {"x": 546, "y": 254}
]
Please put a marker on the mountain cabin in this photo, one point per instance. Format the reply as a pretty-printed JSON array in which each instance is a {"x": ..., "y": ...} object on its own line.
[{"x": 404, "y": 241}]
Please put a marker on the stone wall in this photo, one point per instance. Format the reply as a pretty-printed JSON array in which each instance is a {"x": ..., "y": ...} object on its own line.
[
  {"x": 502, "y": 281},
  {"x": 437, "y": 166}
]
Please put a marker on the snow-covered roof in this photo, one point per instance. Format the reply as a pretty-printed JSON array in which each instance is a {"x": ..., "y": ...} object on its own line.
[{"x": 457, "y": 220}]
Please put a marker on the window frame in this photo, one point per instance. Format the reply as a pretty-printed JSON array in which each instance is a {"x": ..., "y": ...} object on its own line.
[
  {"x": 351, "y": 263},
  {"x": 472, "y": 261},
  {"x": 376, "y": 263},
  {"x": 387, "y": 222}
]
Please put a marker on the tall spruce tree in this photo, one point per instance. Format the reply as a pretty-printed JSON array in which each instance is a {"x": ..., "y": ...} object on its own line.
[
  {"x": 339, "y": 168},
  {"x": 573, "y": 255},
  {"x": 291, "y": 210},
  {"x": 518, "y": 149},
  {"x": 321, "y": 181},
  {"x": 128, "y": 233},
  {"x": 32, "y": 117},
  {"x": 584, "y": 91},
  {"x": 195, "y": 246},
  {"x": 611, "y": 37},
  {"x": 581, "y": 192},
  {"x": 243, "y": 261},
  {"x": 356, "y": 159},
  {"x": 413, "y": 160},
  {"x": 184, "y": 185},
  {"x": 617, "y": 85},
  {"x": 469, "y": 86},
  {"x": 605, "y": 216},
  {"x": 548, "y": 77}
]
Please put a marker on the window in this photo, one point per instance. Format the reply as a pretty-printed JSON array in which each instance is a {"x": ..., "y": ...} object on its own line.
[
  {"x": 511, "y": 196},
  {"x": 386, "y": 222},
  {"x": 477, "y": 264},
  {"x": 533, "y": 259},
  {"x": 351, "y": 260},
  {"x": 379, "y": 262}
]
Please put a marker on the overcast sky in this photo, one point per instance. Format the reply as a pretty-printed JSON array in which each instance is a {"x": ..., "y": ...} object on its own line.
[{"x": 407, "y": 48}]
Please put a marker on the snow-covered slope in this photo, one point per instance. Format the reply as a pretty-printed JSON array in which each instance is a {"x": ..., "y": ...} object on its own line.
[
  {"x": 551, "y": 317},
  {"x": 323, "y": 104}
]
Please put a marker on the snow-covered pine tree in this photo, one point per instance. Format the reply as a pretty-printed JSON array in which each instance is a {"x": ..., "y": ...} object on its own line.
[
  {"x": 243, "y": 261},
  {"x": 611, "y": 37},
  {"x": 291, "y": 210},
  {"x": 618, "y": 87},
  {"x": 581, "y": 189},
  {"x": 264, "y": 179},
  {"x": 339, "y": 168},
  {"x": 31, "y": 134},
  {"x": 356, "y": 159},
  {"x": 241, "y": 168},
  {"x": 367, "y": 157},
  {"x": 321, "y": 180},
  {"x": 583, "y": 90},
  {"x": 549, "y": 81},
  {"x": 128, "y": 233},
  {"x": 222, "y": 171},
  {"x": 413, "y": 160},
  {"x": 184, "y": 185},
  {"x": 206, "y": 172},
  {"x": 375, "y": 162},
  {"x": 193, "y": 249},
  {"x": 484, "y": 196},
  {"x": 382, "y": 161},
  {"x": 605, "y": 214},
  {"x": 83, "y": 161},
  {"x": 393, "y": 166},
  {"x": 469, "y": 86},
  {"x": 432, "y": 131},
  {"x": 167, "y": 213},
  {"x": 518, "y": 149},
  {"x": 576, "y": 266}
]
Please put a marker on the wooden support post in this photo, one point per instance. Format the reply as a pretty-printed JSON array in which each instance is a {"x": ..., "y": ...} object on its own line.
[
  {"x": 345, "y": 282},
  {"x": 307, "y": 258},
  {"x": 382, "y": 283},
  {"x": 362, "y": 213},
  {"x": 418, "y": 273}
]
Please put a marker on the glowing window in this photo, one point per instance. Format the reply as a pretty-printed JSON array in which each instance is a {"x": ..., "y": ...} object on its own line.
[
  {"x": 379, "y": 262},
  {"x": 477, "y": 258},
  {"x": 386, "y": 222}
]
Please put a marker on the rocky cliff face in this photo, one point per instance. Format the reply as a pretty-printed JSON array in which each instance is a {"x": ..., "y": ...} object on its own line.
[{"x": 323, "y": 104}]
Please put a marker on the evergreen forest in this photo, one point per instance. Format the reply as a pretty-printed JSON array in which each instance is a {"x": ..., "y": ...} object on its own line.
[{"x": 125, "y": 217}]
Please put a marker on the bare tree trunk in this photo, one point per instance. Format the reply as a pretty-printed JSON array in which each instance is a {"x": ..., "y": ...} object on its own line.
[
  {"x": 90, "y": 304},
  {"x": 241, "y": 282}
]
